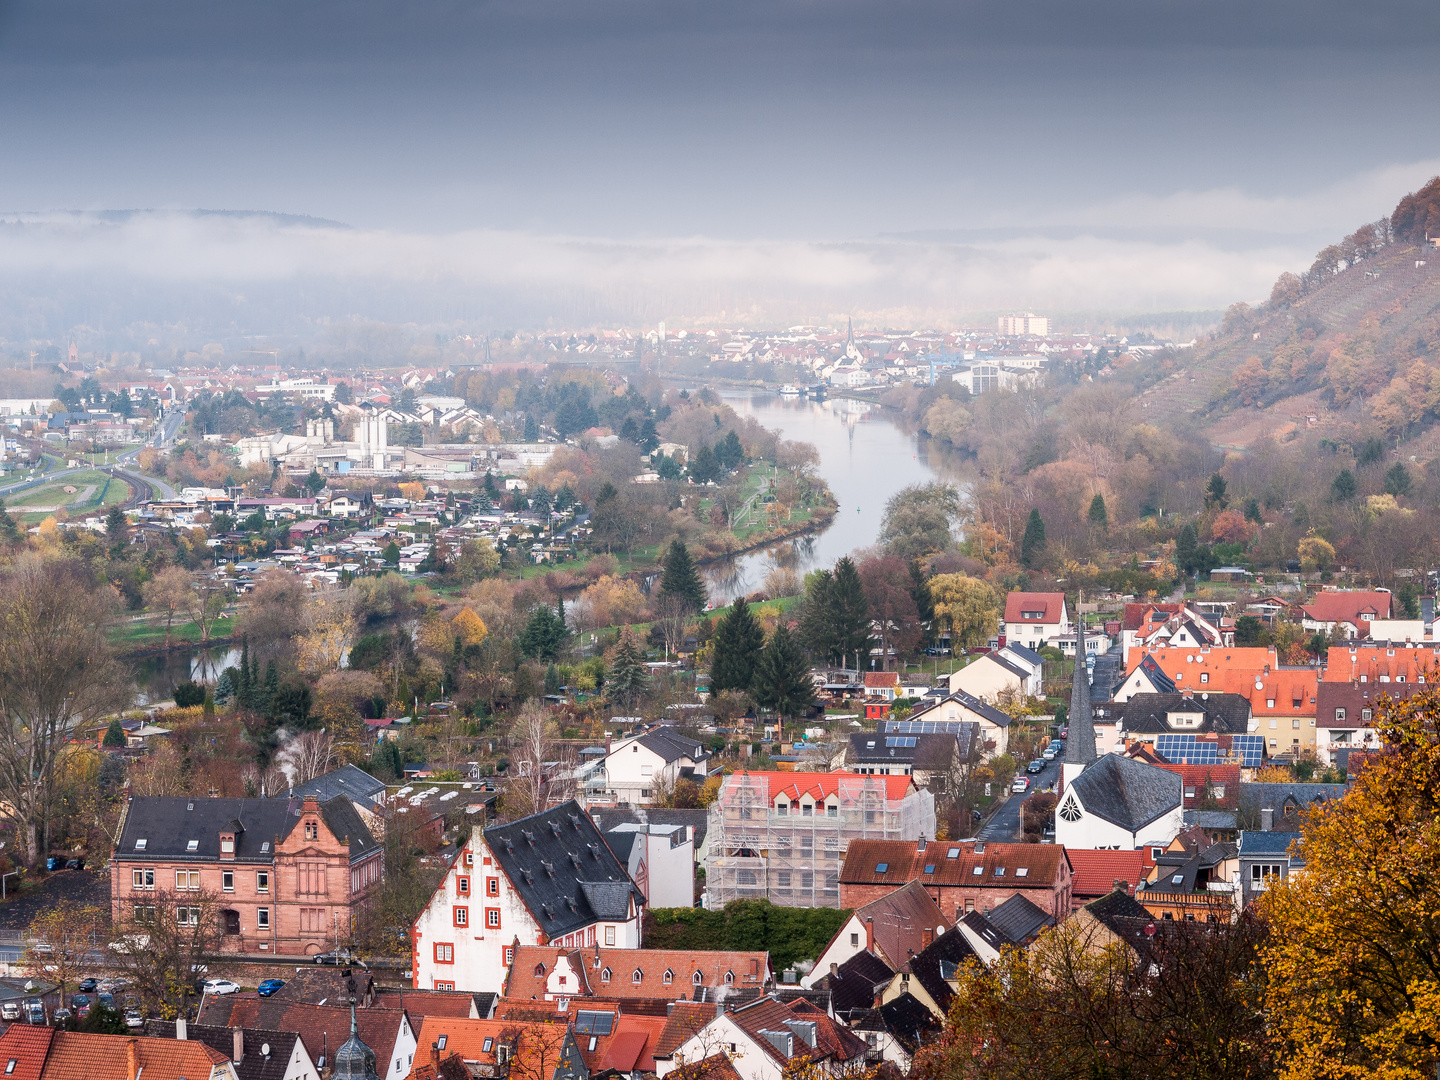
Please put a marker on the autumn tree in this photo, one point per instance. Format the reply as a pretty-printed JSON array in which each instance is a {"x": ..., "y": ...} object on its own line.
[
  {"x": 968, "y": 606},
  {"x": 157, "y": 944},
  {"x": 329, "y": 625},
  {"x": 888, "y": 595},
  {"x": 475, "y": 560},
  {"x": 1354, "y": 958},
  {"x": 168, "y": 593},
  {"x": 57, "y": 675},
  {"x": 206, "y": 602},
  {"x": 532, "y": 746},
  {"x": 920, "y": 520},
  {"x": 61, "y": 939}
]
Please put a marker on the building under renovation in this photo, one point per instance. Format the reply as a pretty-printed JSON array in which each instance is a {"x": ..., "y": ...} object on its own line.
[{"x": 781, "y": 836}]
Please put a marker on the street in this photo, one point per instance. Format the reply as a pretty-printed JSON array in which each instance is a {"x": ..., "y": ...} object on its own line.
[{"x": 1005, "y": 825}]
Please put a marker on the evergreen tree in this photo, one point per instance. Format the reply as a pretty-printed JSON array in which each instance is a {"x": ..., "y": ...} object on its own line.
[
  {"x": 735, "y": 649},
  {"x": 244, "y": 690},
  {"x": 782, "y": 677},
  {"x": 628, "y": 677},
  {"x": 225, "y": 688},
  {"x": 9, "y": 531},
  {"x": 552, "y": 678},
  {"x": 1032, "y": 545},
  {"x": 849, "y": 613},
  {"x": 544, "y": 633},
  {"x": 1343, "y": 488},
  {"x": 114, "y": 734},
  {"x": 272, "y": 688},
  {"x": 704, "y": 467},
  {"x": 386, "y": 762},
  {"x": 729, "y": 452},
  {"x": 1215, "y": 497},
  {"x": 391, "y": 554},
  {"x": 115, "y": 524},
  {"x": 816, "y": 629},
  {"x": 1098, "y": 516},
  {"x": 680, "y": 578},
  {"x": 924, "y": 601},
  {"x": 1252, "y": 512},
  {"x": 1397, "y": 480},
  {"x": 1187, "y": 547},
  {"x": 314, "y": 483},
  {"x": 532, "y": 429}
]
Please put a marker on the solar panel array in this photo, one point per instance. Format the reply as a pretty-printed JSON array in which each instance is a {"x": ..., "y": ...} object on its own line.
[
  {"x": 900, "y": 740},
  {"x": 1245, "y": 750},
  {"x": 923, "y": 727},
  {"x": 1249, "y": 748}
]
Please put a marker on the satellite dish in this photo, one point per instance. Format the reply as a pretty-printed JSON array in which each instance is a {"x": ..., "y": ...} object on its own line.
[{"x": 265, "y": 1050}]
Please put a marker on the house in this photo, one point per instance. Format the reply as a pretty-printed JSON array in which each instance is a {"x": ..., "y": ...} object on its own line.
[
  {"x": 42, "y": 1053},
  {"x": 545, "y": 973},
  {"x": 1264, "y": 858},
  {"x": 895, "y": 1031},
  {"x": 301, "y": 531},
  {"x": 1192, "y": 880},
  {"x": 782, "y": 835},
  {"x": 1118, "y": 802},
  {"x": 695, "y": 822},
  {"x": 290, "y": 874},
  {"x": 1209, "y": 787},
  {"x": 882, "y": 684},
  {"x": 995, "y": 676},
  {"x": 1101, "y": 871},
  {"x": 1115, "y": 919},
  {"x": 929, "y": 977},
  {"x": 497, "y": 1048},
  {"x": 639, "y": 767},
  {"x": 1147, "y": 717},
  {"x": 762, "y": 1038},
  {"x": 876, "y": 753},
  {"x": 255, "y": 1053},
  {"x": 343, "y": 506},
  {"x": 857, "y": 983},
  {"x": 1012, "y": 925},
  {"x": 365, "y": 793},
  {"x": 387, "y": 1032},
  {"x": 1153, "y": 626},
  {"x": 954, "y": 711},
  {"x": 1351, "y": 613},
  {"x": 1280, "y": 806},
  {"x": 660, "y": 860},
  {"x": 892, "y": 927},
  {"x": 960, "y": 876},
  {"x": 1034, "y": 619},
  {"x": 1347, "y": 716},
  {"x": 549, "y": 878}
]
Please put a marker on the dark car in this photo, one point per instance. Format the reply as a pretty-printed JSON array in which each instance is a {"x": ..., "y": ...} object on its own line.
[
  {"x": 269, "y": 986},
  {"x": 106, "y": 1000},
  {"x": 81, "y": 1004},
  {"x": 1035, "y": 766},
  {"x": 86, "y": 986},
  {"x": 73, "y": 864},
  {"x": 338, "y": 958}
]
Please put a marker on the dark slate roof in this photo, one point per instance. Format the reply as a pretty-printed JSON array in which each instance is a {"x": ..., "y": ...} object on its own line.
[
  {"x": 1225, "y": 714},
  {"x": 1018, "y": 672},
  {"x": 909, "y": 1021},
  {"x": 868, "y": 747},
  {"x": 346, "y": 780},
  {"x": 1020, "y": 650},
  {"x": 853, "y": 984},
  {"x": 1266, "y": 843},
  {"x": 673, "y": 746},
  {"x": 566, "y": 874},
  {"x": 971, "y": 702},
  {"x": 937, "y": 962},
  {"x": 1275, "y": 796},
  {"x": 1211, "y": 819},
  {"x": 1120, "y": 913},
  {"x": 253, "y": 1065},
  {"x": 1019, "y": 919},
  {"x": 987, "y": 931},
  {"x": 167, "y": 825},
  {"x": 699, "y": 820},
  {"x": 1126, "y": 792},
  {"x": 1156, "y": 674}
]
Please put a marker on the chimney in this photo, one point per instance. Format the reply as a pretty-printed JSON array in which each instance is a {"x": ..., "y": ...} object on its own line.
[
  {"x": 237, "y": 1050},
  {"x": 180, "y": 1032},
  {"x": 920, "y": 847},
  {"x": 132, "y": 1059},
  {"x": 1267, "y": 820},
  {"x": 869, "y": 933},
  {"x": 435, "y": 1054},
  {"x": 834, "y": 969}
]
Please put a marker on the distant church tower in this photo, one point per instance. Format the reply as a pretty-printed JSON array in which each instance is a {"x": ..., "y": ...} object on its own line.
[{"x": 1080, "y": 746}]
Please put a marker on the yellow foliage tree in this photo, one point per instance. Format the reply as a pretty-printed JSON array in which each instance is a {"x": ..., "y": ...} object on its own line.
[
  {"x": 468, "y": 627},
  {"x": 413, "y": 490},
  {"x": 1353, "y": 955},
  {"x": 1316, "y": 554},
  {"x": 968, "y": 606}
]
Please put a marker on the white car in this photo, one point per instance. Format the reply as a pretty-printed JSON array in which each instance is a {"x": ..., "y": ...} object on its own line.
[
  {"x": 1022, "y": 783},
  {"x": 221, "y": 986}
]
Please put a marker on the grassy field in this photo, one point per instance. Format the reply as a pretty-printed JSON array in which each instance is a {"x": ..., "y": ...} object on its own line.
[
  {"x": 139, "y": 635},
  {"x": 94, "y": 490}
]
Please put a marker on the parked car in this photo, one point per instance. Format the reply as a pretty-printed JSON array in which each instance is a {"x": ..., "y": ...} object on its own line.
[
  {"x": 1064, "y": 733},
  {"x": 74, "y": 864},
  {"x": 105, "y": 1000},
  {"x": 1035, "y": 766},
  {"x": 1022, "y": 783},
  {"x": 269, "y": 986},
  {"x": 221, "y": 986},
  {"x": 10, "y": 1010},
  {"x": 35, "y": 1011},
  {"x": 338, "y": 957},
  {"x": 86, "y": 986},
  {"x": 61, "y": 1016},
  {"x": 1049, "y": 753},
  {"x": 81, "y": 1004},
  {"x": 134, "y": 1017}
]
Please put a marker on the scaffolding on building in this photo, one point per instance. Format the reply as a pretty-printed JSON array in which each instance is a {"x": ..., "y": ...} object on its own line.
[{"x": 793, "y": 859}]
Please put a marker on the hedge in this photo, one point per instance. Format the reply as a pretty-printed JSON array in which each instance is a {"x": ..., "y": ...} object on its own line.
[{"x": 788, "y": 934}]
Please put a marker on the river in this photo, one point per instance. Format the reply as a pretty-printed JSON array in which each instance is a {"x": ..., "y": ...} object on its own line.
[{"x": 865, "y": 456}]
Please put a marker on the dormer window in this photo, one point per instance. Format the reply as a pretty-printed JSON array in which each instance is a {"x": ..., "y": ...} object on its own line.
[
  {"x": 637, "y": 976},
  {"x": 1204, "y": 676},
  {"x": 697, "y": 979},
  {"x": 605, "y": 975},
  {"x": 1339, "y": 715},
  {"x": 668, "y": 977},
  {"x": 729, "y": 978},
  {"x": 227, "y": 845}
]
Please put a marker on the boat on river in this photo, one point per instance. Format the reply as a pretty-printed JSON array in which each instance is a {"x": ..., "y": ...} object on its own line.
[{"x": 789, "y": 390}]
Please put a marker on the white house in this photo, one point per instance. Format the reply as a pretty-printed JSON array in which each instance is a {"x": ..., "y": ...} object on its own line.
[
  {"x": 960, "y": 707},
  {"x": 1120, "y": 803},
  {"x": 549, "y": 878},
  {"x": 1033, "y": 619},
  {"x": 1016, "y": 669},
  {"x": 764, "y": 1037},
  {"x": 639, "y": 767},
  {"x": 660, "y": 859}
]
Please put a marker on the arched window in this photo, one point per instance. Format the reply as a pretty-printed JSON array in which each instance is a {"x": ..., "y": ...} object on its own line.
[
  {"x": 696, "y": 979},
  {"x": 668, "y": 977},
  {"x": 605, "y": 975}
]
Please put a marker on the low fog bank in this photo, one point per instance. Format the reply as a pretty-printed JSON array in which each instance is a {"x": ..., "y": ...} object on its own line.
[{"x": 125, "y": 280}]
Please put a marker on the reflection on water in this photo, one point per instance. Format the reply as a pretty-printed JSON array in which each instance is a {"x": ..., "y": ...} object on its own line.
[
  {"x": 865, "y": 457},
  {"x": 157, "y": 676}
]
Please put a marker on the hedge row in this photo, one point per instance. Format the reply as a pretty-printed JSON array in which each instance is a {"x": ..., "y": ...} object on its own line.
[{"x": 788, "y": 934}]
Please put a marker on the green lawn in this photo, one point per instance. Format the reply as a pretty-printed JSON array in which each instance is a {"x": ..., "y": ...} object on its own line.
[
  {"x": 94, "y": 490},
  {"x": 136, "y": 635}
]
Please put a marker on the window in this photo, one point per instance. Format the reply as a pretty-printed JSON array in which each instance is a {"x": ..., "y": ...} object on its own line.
[
  {"x": 1260, "y": 873},
  {"x": 1023, "y": 871},
  {"x": 262, "y": 881},
  {"x": 645, "y": 793},
  {"x": 854, "y": 939},
  {"x": 970, "y": 903},
  {"x": 462, "y": 886},
  {"x": 193, "y": 845},
  {"x": 470, "y": 858},
  {"x": 1339, "y": 714},
  {"x": 930, "y": 868},
  {"x": 1177, "y": 879},
  {"x": 461, "y": 916},
  {"x": 1270, "y": 703},
  {"x": 492, "y": 886},
  {"x": 488, "y": 1045},
  {"x": 227, "y": 880},
  {"x": 1156, "y": 852},
  {"x": 187, "y": 879},
  {"x": 999, "y": 871},
  {"x": 444, "y": 954},
  {"x": 609, "y": 935},
  {"x": 140, "y": 844},
  {"x": 782, "y": 808},
  {"x": 832, "y": 811},
  {"x": 443, "y": 986},
  {"x": 143, "y": 879},
  {"x": 187, "y": 916},
  {"x": 782, "y": 879},
  {"x": 1365, "y": 714},
  {"x": 1217, "y": 791},
  {"x": 262, "y": 918},
  {"x": 227, "y": 845},
  {"x": 144, "y": 913},
  {"x": 881, "y": 868},
  {"x": 605, "y": 975},
  {"x": 492, "y": 918},
  {"x": 697, "y": 979},
  {"x": 668, "y": 977},
  {"x": 312, "y": 831},
  {"x": 637, "y": 976},
  {"x": 978, "y": 871},
  {"x": 729, "y": 978}
]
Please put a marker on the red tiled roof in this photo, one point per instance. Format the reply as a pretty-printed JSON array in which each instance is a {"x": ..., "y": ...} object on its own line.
[
  {"x": 714, "y": 1067},
  {"x": 823, "y": 785},
  {"x": 1096, "y": 871},
  {"x": 1376, "y": 664},
  {"x": 712, "y": 965},
  {"x": 685, "y": 1020},
  {"x": 1347, "y": 606},
  {"x": 27, "y": 1046},
  {"x": 1050, "y": 603},
  {"x": 537, "y": 1042},
  {"x": 882, "y": 678},
  {"x": 318, "y": 1025},
  {"x": 76, "y": 1055},
  {"x": 903, "y": 863},
  {"x": 1201, "y": 777}
]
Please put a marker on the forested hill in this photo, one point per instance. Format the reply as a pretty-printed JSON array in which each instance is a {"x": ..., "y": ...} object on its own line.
[{"x": 1353, "y": 343}]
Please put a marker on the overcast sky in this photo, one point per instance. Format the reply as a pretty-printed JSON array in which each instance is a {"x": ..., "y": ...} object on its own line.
[{"x": 1238, "y": 126}]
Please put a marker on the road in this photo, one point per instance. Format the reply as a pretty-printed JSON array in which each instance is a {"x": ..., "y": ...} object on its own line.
[
  {"x": 1005, "y": 825},
  {"x": 1107, "y": 674}
]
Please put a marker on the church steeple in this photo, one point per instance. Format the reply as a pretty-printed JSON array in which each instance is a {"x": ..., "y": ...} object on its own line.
[
  {"x": 354, "y": 1060},
  {"x": 1080, "y": 746}
]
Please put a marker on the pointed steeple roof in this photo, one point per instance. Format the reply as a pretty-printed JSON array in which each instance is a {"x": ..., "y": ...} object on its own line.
[
  {"x": 354, "y": 1060},
  {"x": 1080, "y": 746}
]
